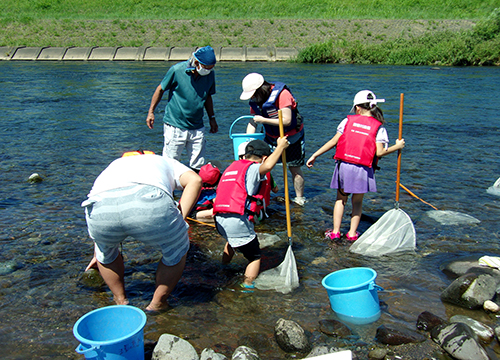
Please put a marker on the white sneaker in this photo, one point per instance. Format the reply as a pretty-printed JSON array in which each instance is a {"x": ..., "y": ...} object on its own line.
[{"x": 299, "y": 200}]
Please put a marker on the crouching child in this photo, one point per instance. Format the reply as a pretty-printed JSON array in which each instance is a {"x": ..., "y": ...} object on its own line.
[{"x": 237, "y": 202}]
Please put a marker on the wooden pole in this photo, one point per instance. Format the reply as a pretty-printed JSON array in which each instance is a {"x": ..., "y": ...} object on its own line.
[
  {"x": 285, "y": 179},
  {"x": 398, "y": 177}
]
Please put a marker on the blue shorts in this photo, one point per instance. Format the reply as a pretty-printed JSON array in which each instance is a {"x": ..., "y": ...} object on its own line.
[{"x": 146, "y": 213}]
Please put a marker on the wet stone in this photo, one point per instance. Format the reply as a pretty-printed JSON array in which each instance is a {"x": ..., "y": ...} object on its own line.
[
  {"x": 245, "y": 353},
  {"x": 291, "y": 337},
  {"x": 377, "y": 354},
  {"x": 484, "y": 332},
  {"x": 392, "y": 335},
  {"x": 458, "y": 340},
  {"x": 427, "y": 321},
  {"x": 470, "y": 291},
  {"x": 92, "y": 279},
  {"x": 334, "y": 328},
  {"x": 8, "y": 267}
]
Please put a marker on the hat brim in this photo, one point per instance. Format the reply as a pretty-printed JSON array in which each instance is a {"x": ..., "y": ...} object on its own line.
[{"x": 246, "y": 95}]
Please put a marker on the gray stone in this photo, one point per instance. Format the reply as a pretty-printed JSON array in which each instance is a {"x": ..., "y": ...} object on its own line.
[
  {"x": 392, "y": 335},
  {"x": 377, "y": 354},
  {"x": 245, "y": 353},
  {"x": 459, "y": 341},
  {"x": 491, "y": 306},
  {"x": 484, "y": 332},
  {"x": 322, "y": 350},
  {"x": 470, "y": 290},
  {"x": 291, "y": 337},
  {"x": 171, "y": 347},
  {"x": 209, "y": 354}
]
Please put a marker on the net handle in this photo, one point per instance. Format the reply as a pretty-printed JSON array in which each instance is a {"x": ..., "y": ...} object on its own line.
[
  {"x": 285, "y": 179},
  {"x": 398, "y": 176}
]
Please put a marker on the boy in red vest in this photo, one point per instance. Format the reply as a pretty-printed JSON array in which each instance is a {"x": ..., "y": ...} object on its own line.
[{"x": 239, "y": 199}]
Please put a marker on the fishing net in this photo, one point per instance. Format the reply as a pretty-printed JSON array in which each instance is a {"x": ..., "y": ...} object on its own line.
[
  {"x": 393, "y": 232},
  {"x": 495, "y": 189},
  {"x": 447, "y": 217},
  {"x": 283, "y": 278}
]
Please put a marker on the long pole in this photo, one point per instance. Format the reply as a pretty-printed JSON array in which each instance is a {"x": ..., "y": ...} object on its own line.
[
  {"x": 285, "y": 179},
  {"x": 398, "y": 177}
]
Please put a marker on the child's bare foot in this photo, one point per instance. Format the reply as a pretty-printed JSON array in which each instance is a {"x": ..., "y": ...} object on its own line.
[
  {"x": 158, "y": 307},
  {"x": 118, "y": 301}
]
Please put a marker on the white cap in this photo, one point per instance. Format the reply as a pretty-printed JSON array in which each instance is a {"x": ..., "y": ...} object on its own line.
[
  {"x": 242, "y": 148},
  {"x": 250, "y": 83},
  {"x": 364, "y": 97}
]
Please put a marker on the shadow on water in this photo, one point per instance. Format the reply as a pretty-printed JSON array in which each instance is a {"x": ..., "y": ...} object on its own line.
[{"x": 67, "y": 121}]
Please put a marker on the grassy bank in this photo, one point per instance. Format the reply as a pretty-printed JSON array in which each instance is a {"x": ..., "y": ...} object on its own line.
[
  {"x": 478, "y": 46},
  {"x": 365, "y": 31}
]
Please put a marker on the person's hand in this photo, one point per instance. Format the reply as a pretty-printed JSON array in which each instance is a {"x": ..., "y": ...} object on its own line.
[
  {"x": 310, "y": 162},
  {"x": 400, "y": 143},
  {"x": 150, "y": 120},
  {"x": 283, "y": 142},
  {"x": 259, "y": 119},
  {"x": 92, "y": 264},
  {"x": 213, "y": 126}
]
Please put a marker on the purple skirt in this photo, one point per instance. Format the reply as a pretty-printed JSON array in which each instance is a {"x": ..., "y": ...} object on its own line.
[{"x": 353, "y": 179}]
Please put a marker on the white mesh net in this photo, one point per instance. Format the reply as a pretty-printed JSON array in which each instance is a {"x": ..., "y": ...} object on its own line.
[
  {"x": 283, "y": 278},
  {"x": 393, "y": 232}
]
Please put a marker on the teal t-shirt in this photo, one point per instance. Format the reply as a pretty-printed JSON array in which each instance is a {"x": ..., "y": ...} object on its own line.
[{"x": 186, "y": 95}]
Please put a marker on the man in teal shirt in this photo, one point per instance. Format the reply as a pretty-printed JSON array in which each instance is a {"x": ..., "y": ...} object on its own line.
[{"x": 190, "y": 85}]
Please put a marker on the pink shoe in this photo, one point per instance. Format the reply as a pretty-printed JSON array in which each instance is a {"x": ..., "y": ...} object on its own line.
[
  {"x": 353, "y": 238},
  {"x": 329, "y": 234}
]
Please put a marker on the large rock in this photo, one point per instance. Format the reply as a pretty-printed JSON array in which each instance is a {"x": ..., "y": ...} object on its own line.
[
  {"x": 483, "y": 332},
  {"x": 392, "y": 335},
  {"x": 245, "y": 353},
  {"x": 470, "y": 290},
  {"x": 291, "y": 337},
  {"x": 427, "y": 321},
  {"x": 459, "y": 341},
  {"x": 209, "y": 354},
  {"x": 171, "y": 347}
]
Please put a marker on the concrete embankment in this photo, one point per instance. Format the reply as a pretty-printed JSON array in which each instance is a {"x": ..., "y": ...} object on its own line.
[{"x": 142, "y": 53}]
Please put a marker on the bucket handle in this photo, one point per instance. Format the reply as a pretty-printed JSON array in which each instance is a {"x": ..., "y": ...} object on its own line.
[
  {"x": 91, "y": 352},
  {"x": 247, "y": 117},
  {"x": 373, "y": 286}
]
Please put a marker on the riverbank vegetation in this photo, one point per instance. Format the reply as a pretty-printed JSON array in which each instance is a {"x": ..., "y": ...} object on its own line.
[
  {"x": 478, "y": 46},
  {"x": 406, "y": 32}
]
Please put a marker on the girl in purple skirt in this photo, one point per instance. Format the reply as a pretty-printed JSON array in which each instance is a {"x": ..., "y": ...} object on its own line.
[{"x": 360, "y": 140}]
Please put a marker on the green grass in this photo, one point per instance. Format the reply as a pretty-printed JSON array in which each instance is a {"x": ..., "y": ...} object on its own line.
[
  {"x": 479, "y": 46},
  {"x": 242, "y": 9}
]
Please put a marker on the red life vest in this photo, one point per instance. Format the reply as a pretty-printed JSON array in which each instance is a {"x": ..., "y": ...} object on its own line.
[
  {"x": 357, "y": 145},
  {"x": 232, "y": 195}
]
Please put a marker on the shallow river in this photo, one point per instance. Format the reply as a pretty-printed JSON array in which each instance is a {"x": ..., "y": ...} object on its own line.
[{"x": 67, "y": 121}]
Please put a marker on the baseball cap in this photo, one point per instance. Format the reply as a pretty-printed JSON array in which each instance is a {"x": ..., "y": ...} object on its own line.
[
  {"x": 250, "y": 83},
  {"x": 205, "y": 56},
  {"x": 364, "y": 97},
  {"x": 209, "y": 174},
  {"x": 258, "y": 148},
  {"x": 242, "y": 147}
]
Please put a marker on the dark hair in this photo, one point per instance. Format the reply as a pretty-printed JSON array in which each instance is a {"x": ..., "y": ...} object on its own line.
[
  {"x": 262, "y": 93},
  {"x": 375, "y": 111}
]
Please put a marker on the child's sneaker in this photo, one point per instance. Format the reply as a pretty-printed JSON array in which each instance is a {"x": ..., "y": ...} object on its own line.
[
  {"x": 330, "y": 235},
  {"x": 352, "y": 238},
  {"x": 247, "y": 288}
]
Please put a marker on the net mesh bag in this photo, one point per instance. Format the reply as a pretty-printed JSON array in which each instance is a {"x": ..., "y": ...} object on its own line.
[
  {"x": 283, "y": 278},
  {"x": 393, "y": 232}
]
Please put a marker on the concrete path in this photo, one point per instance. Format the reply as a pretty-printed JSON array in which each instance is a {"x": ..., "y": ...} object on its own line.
[{"x": 141, "y": 53}]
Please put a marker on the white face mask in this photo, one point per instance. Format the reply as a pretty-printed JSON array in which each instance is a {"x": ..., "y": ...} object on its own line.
[{"x": 202, "y": 71}]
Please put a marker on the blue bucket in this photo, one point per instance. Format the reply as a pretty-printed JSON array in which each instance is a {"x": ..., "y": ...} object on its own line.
[
  {"x": 241, "y": 138},
  {"x": 112, "y": 333},
  {"x": 353, "y": 294}
]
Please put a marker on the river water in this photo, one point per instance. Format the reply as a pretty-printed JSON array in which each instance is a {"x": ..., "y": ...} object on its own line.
[{"x": 68, "y": 120}]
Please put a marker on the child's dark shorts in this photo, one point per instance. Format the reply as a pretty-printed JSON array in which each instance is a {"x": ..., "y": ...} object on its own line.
[{"x": 250, "y": 251}]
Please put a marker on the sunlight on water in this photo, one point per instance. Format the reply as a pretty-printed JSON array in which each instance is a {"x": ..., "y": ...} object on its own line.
[{"x": 67, "y": 121}]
